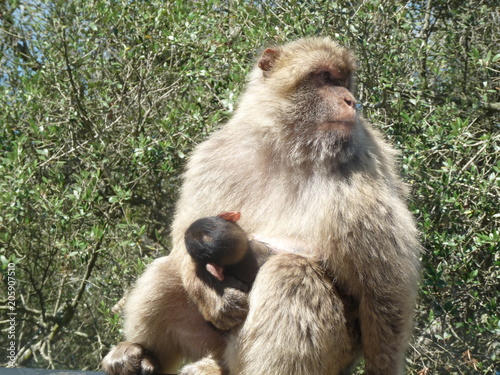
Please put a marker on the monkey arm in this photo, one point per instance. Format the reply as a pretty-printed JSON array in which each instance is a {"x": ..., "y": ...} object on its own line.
[
  {"x": 225, "y": 303},
  {"x": 385, "y": 313},
  {"x": 162, "y": 325},
  {"x": 222, "y": 303}
]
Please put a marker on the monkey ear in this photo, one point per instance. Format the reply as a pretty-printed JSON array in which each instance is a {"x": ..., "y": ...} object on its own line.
[
  {"x": 216, "y": 271},
  {"x": 268, "y": 59},
  {"x": 232, "y": 216}
]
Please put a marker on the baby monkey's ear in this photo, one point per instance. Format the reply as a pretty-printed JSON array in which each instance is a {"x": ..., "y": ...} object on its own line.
[{"x": 232, "y": 216}]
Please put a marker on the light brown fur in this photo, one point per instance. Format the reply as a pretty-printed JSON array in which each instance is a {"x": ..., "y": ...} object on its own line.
[{"x": 298, "y": 177}]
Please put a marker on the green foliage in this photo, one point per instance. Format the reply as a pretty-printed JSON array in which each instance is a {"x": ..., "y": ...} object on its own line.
[{"x": 100, "y": 102}]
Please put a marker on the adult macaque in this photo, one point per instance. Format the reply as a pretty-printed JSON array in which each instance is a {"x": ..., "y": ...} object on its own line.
[
  {"x": 304, "y": 168},
  {"x": 221, "y": 248}
]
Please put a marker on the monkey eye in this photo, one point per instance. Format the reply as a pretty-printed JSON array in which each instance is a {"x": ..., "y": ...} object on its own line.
[
  {"x": 327, "y": 77},
  {"x": 324, "y": 74}
]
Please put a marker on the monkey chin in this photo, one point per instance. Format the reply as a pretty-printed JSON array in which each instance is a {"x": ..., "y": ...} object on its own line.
[{"x": 342, "y": 127}]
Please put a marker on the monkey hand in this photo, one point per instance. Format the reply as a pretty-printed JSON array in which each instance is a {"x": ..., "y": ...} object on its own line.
[
  {"x": 230, "y": 308},
  {"x": 128, "y": 358},
  {"x": 231, "y": 282},
  {"x": 222, "y": 303}
]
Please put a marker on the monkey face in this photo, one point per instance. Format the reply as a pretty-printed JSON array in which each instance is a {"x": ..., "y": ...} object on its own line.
[
  {"x": 330, "y": 87},
  {"x": 313, "y": 81},
  {"x": 320, "y": 121},
  {"x": 322, "y": 103}
]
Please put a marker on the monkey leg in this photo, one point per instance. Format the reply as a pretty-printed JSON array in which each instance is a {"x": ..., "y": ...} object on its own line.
[
  {"x": 161, "y": 319},
  {"x": 205, "y": 366},
  {"x": 297, "y": 323}
]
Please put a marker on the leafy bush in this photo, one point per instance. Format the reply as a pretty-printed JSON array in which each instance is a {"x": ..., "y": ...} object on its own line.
[{"x": 102, "y": 100}]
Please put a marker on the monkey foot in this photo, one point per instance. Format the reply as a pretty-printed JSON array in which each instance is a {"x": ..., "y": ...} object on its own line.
[{"x": 128, "y": 358}]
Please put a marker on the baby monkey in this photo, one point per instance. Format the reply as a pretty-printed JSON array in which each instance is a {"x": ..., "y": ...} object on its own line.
[{"x": 220, "y": 247}]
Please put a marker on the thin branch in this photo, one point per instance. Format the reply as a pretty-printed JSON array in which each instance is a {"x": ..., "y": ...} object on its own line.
[
  {"x": 68, "y": 310},
  {"x": 76, "y": 92}
]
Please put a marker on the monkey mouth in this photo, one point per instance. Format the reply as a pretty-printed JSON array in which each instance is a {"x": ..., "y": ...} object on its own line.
[{"x": 339, "y": 125}]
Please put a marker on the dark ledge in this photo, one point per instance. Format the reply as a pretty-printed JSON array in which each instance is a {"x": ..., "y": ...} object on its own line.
[{"x": 37, "y": 371}]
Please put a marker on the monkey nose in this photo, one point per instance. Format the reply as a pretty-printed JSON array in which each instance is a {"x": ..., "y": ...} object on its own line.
[{"x": 351, "y": 102}]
